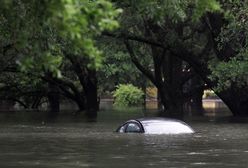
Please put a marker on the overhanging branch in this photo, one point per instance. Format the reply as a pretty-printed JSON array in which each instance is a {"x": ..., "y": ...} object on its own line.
[
  {"x": 134, "y": 59},
  {"x": 133, "y": 37},
  {"x": 180, "y": 52}
]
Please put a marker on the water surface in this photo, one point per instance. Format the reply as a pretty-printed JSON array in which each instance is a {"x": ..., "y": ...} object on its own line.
[{"x": 29, "y": 140}]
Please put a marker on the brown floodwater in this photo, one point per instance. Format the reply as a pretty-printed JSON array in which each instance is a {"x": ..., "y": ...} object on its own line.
[{"x": 28, "y": 139}]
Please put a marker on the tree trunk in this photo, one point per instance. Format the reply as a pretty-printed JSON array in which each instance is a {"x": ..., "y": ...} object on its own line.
[
  {"x": 196, "y": 103},
  {"x": 143, "y": 86},
  {"x": 194, "y": 90},
  {"x": 88, "y": 80},
  {"x": 80, "y": 101},
  {"x": 176, "y": 109},
  {"x": 53, "y": 99},
  {"x": 90, "y": 88},
  {"x": 236, "y": 100},
  {"x": 172, "y": 105},
  {"x": 160, "y": 104},
  {"x": 172, "y": 74},
  {"x": 239, "y": 109},
  {"x": 37, "y": 101}
]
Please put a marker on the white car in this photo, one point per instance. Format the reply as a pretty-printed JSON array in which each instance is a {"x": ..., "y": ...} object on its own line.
[{"x": 155, "y": 126}]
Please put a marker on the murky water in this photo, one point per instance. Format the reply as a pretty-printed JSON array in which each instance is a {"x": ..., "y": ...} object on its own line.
[{"x": 27, "y": 140}]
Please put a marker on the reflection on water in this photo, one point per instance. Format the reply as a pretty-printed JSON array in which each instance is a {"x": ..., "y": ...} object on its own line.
[
  {"x": 28, "y": 140},
  {"x": 215, "y": 107}
]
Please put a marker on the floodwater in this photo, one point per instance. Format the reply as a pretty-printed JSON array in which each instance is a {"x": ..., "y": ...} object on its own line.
[{"x": 27, "y": 139}]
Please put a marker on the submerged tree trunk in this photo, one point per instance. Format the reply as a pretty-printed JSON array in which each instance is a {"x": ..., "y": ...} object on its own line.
[
  {"x": 166, "y": 76},
  {"x": 143, "y": 87},
  {"x": 236, "y": 100},
  {"x": 53, "y": 99},
  {"x": 90, "y": 87},
  {"x": 194, "y": 90},
  {"x": 172, "y": 74},
  {"x": 196, "y": 103},
  {"x": 79, "y": 99},
  {"x": 239, "y": 109},
  {"x": 88, "y": 80},
  {"x": 160, "y": 104},
  {"x": 172, "y": 105},
  {"x": 66, "y": 88}
]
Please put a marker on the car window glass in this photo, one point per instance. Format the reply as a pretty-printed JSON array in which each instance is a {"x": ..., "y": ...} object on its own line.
[
  {"x": 122, "y": 129},
  {"x": 133, "y": 127}
]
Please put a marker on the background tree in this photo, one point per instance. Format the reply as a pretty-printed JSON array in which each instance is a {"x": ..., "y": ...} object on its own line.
[
  {"x": 195, "y": 33},
  {"x": 157, "y": 26},
  {"x": 46, "y": 35},
  {"x": 117, "y": 68}
]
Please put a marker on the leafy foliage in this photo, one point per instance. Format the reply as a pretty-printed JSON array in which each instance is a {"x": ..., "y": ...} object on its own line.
[
  {"x": 79, "y": 22},
  {"x": 39, "y": 35},
  {"x": 203, "y": 6},
  {"x": 234, "y": 69},
  {"x": 42, "y": 30},
  {"x": 117, "y": 66},
  {"x": 230, "y": 73},
  {"x": 128, "y": 95}
]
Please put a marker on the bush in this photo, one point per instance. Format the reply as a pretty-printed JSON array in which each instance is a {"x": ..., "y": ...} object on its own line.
[
  {"x": 209, "y": 94},
  {"x": 128, "y": 95}
]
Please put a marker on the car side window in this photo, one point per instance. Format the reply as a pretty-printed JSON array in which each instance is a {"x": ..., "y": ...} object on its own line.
[
  {"x": 133, "y": 127},
  {"x": 122, "y": 129}
]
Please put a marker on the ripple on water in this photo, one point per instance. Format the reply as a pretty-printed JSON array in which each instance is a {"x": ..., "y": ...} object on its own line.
[
  {"x": 199, "y": 163},
  {"x": 196, "y": 153}
]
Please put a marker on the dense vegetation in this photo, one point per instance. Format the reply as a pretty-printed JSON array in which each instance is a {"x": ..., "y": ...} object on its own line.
[
  {"x": 50, "y": 47},
  {"x": 127, "y": 95},
  {"x": 53, "y": 50}
]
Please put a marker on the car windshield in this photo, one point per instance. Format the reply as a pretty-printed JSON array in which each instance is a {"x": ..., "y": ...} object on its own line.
[{"x": 133, "y": 127}]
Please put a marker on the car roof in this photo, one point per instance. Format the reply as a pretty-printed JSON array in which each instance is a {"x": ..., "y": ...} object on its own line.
[
  {"x": 156, "y": 120},
  {"x": 159, "y": 125}
]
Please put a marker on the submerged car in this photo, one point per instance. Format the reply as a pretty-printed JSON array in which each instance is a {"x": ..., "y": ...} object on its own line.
[{"x": 155, "y": 126}]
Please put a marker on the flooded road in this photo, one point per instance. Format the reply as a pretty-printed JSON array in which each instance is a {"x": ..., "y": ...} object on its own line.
[{"x": 71, "y": 142}]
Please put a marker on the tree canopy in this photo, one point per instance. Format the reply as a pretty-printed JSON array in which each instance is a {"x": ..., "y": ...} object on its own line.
[
  {"x": 205, "y": 35},
  {"x": 181, "y": 46},
  {"x": 41, "y": 39}
]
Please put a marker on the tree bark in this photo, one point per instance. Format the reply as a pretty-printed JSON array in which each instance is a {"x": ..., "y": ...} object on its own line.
[
  {"x": 69, "y": 90},
  {"x": 196, "y": 103},
  {"x": 53, "y": 99},
  {"x": 236, "y": 100},
  {"x": 173, "y": 76},
  {"x": 88, "y": 80},
  {"x": 193, "y": 92},
  {"x": 90, "y": 89}
]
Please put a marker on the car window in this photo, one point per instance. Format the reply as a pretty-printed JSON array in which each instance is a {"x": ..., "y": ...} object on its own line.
[
  {"x": 122, "y": 129},
  {"x": 133, "y": 127}
]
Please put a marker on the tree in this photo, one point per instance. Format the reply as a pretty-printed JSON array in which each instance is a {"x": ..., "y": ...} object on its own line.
[
  {"x": 159, "y": 25},
  {"x": 117, "y": 67},
  {"x": 49, "y": 34},
  {"x": 199, "y": 33},
  {"x": 229, "y": 66}
]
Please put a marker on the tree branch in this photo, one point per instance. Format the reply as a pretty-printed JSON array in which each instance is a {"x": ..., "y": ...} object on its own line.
[
  {"x": 182, "y": 54},
  {"x": 145, "y": 71},
  {"x": 63, "y": 85},
  {"x": 8, "y": 47},
  {"x": 134, "y": 38}
]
